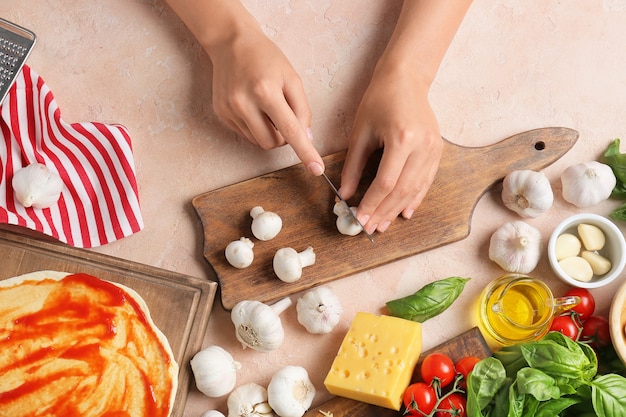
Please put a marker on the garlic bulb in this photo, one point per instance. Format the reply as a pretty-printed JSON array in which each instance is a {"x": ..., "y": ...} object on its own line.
[
  {"x": 527, "y": 192},
  {"x": 345, "y": 222},
  {"x": 212, "y": 413},
  {"x": 239, "y": 253},
  {"x": 516, "y": 247},
  {"x": 249, "y": 400},
  {"x": 37, "y": 186},
  {"x": 587, "y": 184},
  {"x": 319, "y": 310},
  {"x": 258, "y": 325},
  {"x": 265, "y": 224},
  {"x": 290, "y": 392},
  {"x": 215, "y": 371}
]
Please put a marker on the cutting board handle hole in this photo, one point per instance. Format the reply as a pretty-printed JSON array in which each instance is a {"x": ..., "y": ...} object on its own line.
[{"x": 540, "y": 146}]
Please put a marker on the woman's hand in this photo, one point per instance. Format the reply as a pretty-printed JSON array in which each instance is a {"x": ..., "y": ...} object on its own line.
[
  {"x": 395, "y": 115},
  {"x": 257, "y": 93}
]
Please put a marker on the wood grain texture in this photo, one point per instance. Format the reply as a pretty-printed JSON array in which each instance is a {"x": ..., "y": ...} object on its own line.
[
  {"x": 305, "y": 204},
  {"x": 179, "y": 305},
  {"x": 470, "y": 343}
]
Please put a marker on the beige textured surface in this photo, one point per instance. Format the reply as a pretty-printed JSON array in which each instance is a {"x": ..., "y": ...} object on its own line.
[{"x": 515, "y": 65}]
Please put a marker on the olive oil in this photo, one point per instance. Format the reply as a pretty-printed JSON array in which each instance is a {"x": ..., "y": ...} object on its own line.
[{"x": 515, "y": 309}]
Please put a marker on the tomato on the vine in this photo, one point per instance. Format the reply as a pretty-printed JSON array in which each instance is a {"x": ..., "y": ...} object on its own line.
[
  {"x": 440, "y": 366},
  {"x": 452, "y": 406},
  {"x": 419, "y": 399},
  {"x": 464, "y": 366},
  {"x": 596, "y": 332},
  {"x": 565, "y": 324},
  {"x": 587, "y": 304}
]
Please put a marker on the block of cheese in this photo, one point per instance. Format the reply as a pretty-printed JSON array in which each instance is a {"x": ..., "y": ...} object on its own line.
[{"x": 376, "y": 359}]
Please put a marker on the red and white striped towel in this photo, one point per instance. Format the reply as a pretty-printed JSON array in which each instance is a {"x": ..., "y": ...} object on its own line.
[{"x": 99, "y": 202}]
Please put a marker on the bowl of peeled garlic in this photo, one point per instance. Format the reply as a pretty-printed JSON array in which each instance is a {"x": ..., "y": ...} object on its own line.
[{"x": 587, "y": 250}]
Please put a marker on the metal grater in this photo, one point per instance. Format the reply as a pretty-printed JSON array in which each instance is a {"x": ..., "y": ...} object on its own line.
[{"x": 16, "y": 43}]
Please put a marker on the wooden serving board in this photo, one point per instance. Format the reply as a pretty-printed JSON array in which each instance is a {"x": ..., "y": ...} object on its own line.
[
  {"x": 470, "y": 343},
  {"x": 180, "y": 305},
  {"x": 305, "y": 205}
]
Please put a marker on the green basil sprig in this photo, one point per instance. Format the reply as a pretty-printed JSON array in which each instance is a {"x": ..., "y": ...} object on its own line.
[
  {"x": 429, "y": 301},
  {"x": 554, "y": 376},
  {"x": 617, "y": 161}
]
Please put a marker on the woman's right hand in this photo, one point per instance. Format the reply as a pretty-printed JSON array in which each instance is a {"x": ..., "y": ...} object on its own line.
[
  {"x": 256, "y": 90},
  {"x": 258, "y": 93}
]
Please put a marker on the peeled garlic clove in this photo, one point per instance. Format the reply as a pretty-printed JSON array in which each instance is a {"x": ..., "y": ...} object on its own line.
[
  {"x": 567, "y": 245},
  {"x": 37, "y": 186},
  {"x": 577, "y": 268},
  {"x": 599, "y": 264},
  {"x": 592, "y": 236}
]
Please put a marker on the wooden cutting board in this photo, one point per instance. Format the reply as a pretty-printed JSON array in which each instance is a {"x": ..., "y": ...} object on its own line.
[
  {"x": 305, "y": 205},
  {"x": 470, "y": 343},
  {"x": 180, "y": 305}
]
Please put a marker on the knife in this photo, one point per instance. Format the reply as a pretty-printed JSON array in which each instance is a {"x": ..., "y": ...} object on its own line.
[{"x": 345, "y": 203}]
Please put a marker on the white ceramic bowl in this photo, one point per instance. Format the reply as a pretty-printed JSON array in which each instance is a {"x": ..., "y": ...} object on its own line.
[
  {"x": 617, "y": 321},
  {"x": 614, "y": 249}
]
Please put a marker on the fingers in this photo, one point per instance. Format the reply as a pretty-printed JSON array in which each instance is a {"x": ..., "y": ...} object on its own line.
[
  {"x": 404, "y": 176},
  {"x": 292, "y": 118}
]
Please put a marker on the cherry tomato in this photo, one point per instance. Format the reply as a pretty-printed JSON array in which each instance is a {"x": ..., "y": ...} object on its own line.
[
  {"x": 596, "y": 332},
  {"x": 440, "y": 366},
  {"x": 464, "y": 366},
  {"x": 565, "y": 324},
  {"x": 452, "y": 406},
  {"x": 587, "y": 304},
  {"x": 419, "y": 399}
]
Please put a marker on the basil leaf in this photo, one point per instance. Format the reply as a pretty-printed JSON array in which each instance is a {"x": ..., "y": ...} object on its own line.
[
  {"x": 430, "y": 301},
  {"x": 555, "y": 407},
  {"x": 538, "y": 384},
  {"x": 516, "y": 402},
  {"x": 512, "y": 359},
  {"x": 619, "y": 213},
  {"x": 483, "y": 383},
  {"x": 556, "y": 360},
  {"x": 608, "y": 395},
  {"x": 616, "y": 160}
]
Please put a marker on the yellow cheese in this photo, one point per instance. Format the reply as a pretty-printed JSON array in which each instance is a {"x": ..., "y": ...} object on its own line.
[{"x": 376, "y": 359}]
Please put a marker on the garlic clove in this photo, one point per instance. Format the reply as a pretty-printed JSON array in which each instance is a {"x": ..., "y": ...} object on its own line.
[
  {"x": 577, "y": 268},
  {"x": 599, "y": 264},
  {"x": 248, "y": 400},
  {"x": 37, "y": 186},
  {"x": 566, "y": 245},
  {"x": 592, "y": 236},
  {"x": 239, "y": 253}
]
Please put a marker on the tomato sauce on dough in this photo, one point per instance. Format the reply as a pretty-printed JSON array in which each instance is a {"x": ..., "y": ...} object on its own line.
[{"x": 79, "y": 346}]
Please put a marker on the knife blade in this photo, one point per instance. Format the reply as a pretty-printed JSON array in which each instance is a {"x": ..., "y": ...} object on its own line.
[{"x": 345, "y": 203}]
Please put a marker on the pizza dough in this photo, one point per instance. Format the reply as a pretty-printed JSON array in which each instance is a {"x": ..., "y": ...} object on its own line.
[{"x": 73, "y": 344}]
